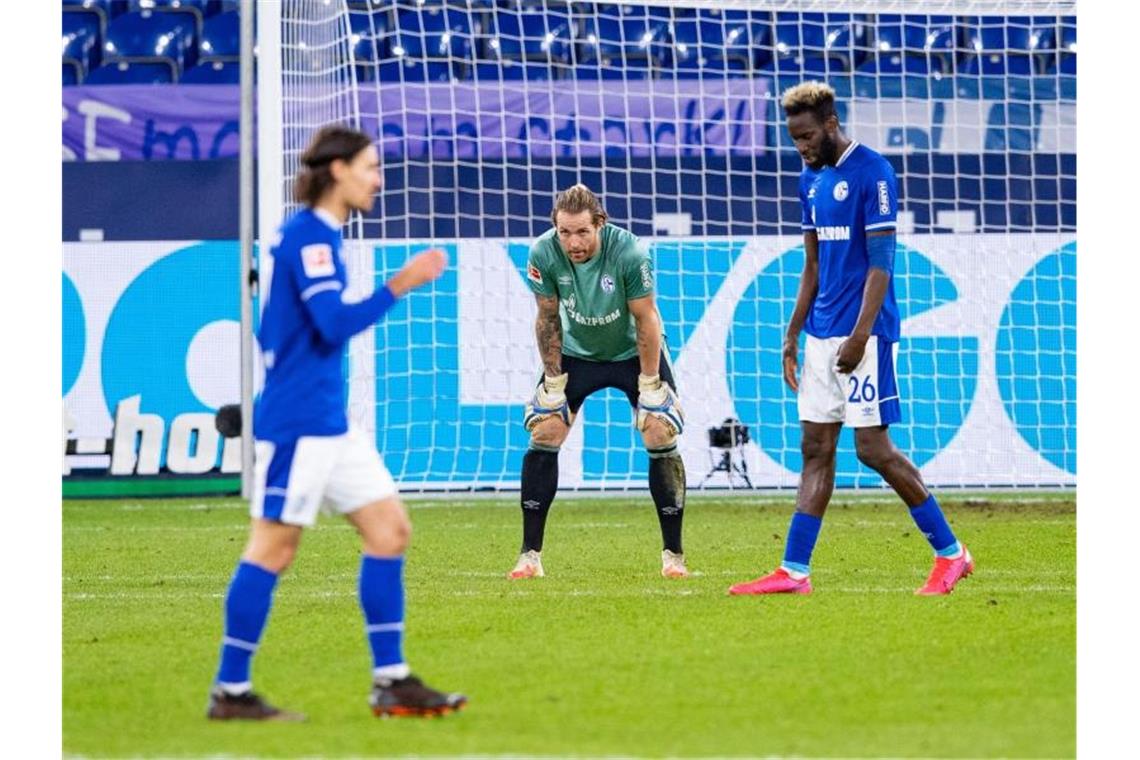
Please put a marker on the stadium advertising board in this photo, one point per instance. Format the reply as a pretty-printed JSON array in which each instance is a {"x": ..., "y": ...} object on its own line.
[
  {"x": 986, "y": 365},
  {"x": 665, "y": 118}
]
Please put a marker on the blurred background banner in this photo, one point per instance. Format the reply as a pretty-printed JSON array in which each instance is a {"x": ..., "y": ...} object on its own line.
[
  {"x": 468, "y": 121},
  {"x": 987, "y": 361}
]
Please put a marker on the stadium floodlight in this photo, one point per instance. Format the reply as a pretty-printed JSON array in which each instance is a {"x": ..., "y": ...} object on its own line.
[{"x": 670, "y": 111}]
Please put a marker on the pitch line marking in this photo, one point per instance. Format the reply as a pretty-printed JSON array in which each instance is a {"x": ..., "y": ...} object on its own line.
[{"x": 551, "y": 594}]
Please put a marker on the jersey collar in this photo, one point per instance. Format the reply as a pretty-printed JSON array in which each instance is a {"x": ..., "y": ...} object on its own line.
[
  {"x": 331, "y": 220},
  {"x": 846, "y": 153}
]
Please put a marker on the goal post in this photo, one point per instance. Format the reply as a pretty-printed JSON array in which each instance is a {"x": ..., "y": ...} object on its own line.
[{"x": 483, "y": 110}]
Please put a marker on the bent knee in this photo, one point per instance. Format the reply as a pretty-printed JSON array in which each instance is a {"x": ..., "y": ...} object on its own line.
[
  {"x": 399, "y": 529},
  {"x": 550, "y": 433},
  {"x": 401, "y": 535},
  {"x": 275, "y": 557},
  {"x": 388, "y": 533},
  {"x": 657, "y": 435},
  {"x": 817, "y": 449},
  {"x": 874, "y": 456}
]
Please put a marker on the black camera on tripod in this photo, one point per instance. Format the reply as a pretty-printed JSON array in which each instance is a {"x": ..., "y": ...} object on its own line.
[{"x": 729, "y": 434}]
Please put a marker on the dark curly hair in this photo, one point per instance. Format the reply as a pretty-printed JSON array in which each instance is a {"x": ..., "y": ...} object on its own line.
[{"x": 330, "y": 143}]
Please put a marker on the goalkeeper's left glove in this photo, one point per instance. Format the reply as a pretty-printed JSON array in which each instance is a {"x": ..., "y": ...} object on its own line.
[{"x": 657, "y": 399}]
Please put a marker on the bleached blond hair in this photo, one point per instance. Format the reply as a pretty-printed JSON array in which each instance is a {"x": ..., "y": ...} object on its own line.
[
  {"x": 816, "y": 97},
  {"x": 575, "y": 200}
]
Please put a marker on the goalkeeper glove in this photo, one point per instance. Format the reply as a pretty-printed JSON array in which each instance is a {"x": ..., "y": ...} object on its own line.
[
  {"x": 549, "y": 400},
  {"x": 657, "y": 399}
]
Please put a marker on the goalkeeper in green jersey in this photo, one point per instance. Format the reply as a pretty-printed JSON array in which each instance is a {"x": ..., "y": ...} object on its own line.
[{"x": 598, "y": 327}]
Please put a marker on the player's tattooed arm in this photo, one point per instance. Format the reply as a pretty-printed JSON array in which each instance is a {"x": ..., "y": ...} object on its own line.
[
  {"x": 548, "y": 330},
  {"x": 648, "y": 321}
]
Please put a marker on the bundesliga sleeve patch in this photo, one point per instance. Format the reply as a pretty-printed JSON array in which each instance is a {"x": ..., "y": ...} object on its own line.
[
  {"x": 318, "y": 260},
  {"x": 533, "y": 274}
]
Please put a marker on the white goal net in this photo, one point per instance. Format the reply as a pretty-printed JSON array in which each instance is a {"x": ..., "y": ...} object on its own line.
[{"x": 669, "y": 111}]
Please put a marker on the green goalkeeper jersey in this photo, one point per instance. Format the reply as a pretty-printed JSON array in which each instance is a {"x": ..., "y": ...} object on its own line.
[{"x": 596, "y": 323}]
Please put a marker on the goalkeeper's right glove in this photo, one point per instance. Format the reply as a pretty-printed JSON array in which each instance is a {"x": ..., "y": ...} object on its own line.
[{"x": 549, "y": 400}]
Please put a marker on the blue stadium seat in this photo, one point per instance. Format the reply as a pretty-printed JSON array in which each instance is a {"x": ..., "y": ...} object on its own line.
[
  {"x": 995, "y": 64},
  {"x": 370, "y": 32},
  {"x": 213, "y": 72},
  {"x": 887, "y": 62},
  {"x": 107, "y": 9},
  {"x": 509, "y": 70},
  {"x": 718, "y": 43},
  {"x": 152, "y": 37},
  {"x": 594, "y": 70},
  {"x": 411, "y": 70},
  {"x": 193, "y": 11},
  {"x": 936, "y": 37},
  {"x": 221, "y": 37},
  {"x": 894, "y": 74},
  {"x": 1007, "y": 46},
  {"x": 72, "y": 73},
  {"x": 81, "y": 38},
  {"x": 847, "y": 38},
  {"x": 222, "y": 6},
  {"x": 527, "y": 35},
  {"x": 132, "y": 72},
  {"x": 1068, "y": 41},
  {"x": 146, "y": 36},
  {"x": 913, "y": 44},
  {"x": 201, "y": 6},
  {"x": 787, "y": 49},
  {"x": 820, "y": 43},
  {"x": 368, "y": 24},
  {"x": 1066, "y": 61},
  {"x": 438, "y": 35},
  {"x": 634, "y": 36},
  {"x": 890, "y": 32}
]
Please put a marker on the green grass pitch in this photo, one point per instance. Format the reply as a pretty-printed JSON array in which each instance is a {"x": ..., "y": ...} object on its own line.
[{"x": 601, "y": 657}]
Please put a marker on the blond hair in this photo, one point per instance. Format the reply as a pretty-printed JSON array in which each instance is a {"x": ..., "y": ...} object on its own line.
[
  {"x": 575, "y": 200},
  {"x": 816, "y": 97}
]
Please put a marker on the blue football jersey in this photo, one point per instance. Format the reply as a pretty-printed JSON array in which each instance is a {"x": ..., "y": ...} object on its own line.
[
  {"x": 305, "y": 326},
  {"x": 842, "y": 203}
]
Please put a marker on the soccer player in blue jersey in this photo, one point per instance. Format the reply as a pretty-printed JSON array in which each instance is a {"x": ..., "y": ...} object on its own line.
[
  {"x": 846, "y": 303},
  {"x": 306, "y": 454}
]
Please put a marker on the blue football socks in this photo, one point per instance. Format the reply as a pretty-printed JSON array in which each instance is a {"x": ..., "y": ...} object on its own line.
[
  {"x": 382, "y": 600},
  {"x": 248, "y": 600},
  {"x": 930, "y": 520},
  {"x": 802, "y": 534}
]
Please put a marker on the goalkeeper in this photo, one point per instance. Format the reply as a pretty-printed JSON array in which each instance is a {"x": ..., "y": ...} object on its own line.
[{"x": 597, "y": 327}]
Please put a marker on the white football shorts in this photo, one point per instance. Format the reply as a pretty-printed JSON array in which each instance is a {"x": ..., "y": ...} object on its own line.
[
  {"x": 336, "y": 473},
  {"x": 867, "y": 397}
]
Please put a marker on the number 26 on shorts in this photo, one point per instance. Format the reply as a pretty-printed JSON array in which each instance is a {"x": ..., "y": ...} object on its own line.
[{"x": 861, "y": 392}]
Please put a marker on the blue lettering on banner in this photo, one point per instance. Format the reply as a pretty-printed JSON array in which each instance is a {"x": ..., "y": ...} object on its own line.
[
  {"x": 152, "y": 325},
  {"x": 171, "y": 141},
  {"x": 585, "y": 120},
  {"x": 74, "y": 334},
  {"x": 1037, "y": 358}
]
